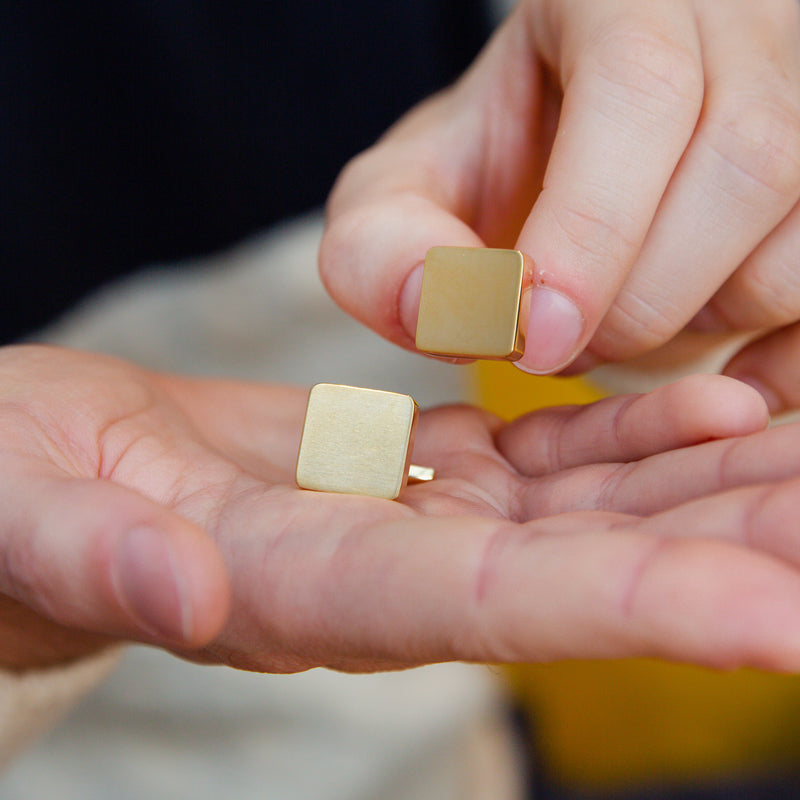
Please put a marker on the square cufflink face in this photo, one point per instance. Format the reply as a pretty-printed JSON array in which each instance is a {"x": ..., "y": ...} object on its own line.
[
  {"x": 356, "y": 441},
  {"x": 470, "y": 303}
]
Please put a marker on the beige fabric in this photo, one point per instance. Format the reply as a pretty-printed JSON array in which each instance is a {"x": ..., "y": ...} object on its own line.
[
  {"x": 30, "y": 702},
  {"x": 688, "y": 354}
]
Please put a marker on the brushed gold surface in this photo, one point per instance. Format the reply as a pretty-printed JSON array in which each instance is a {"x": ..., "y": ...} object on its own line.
[
  {"x": 470, "y": 303},
  {"x": 356, "y": 441}
]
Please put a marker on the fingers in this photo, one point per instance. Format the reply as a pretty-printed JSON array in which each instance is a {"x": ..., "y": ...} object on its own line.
[
  {"x": 677, "y": 152},
  {"x": 765, "y": 291},
  {"x": 667, "y": 479},
  {"x": 631, "y": 427},
  {"x": 473, "y": 157},
  {"x": 92, "y": 555},
  {"x": 616, "y": 593},
  {"x": 762, "y": 517},
  {"x": 409, "y": 591},
  {"x": 769, "y": 364},
  {"x": 462, "y": 169},
  {"x": 632, "y": 79},
  {"x": 737, "y": 180},
  {"x": 371, "y": 260}
]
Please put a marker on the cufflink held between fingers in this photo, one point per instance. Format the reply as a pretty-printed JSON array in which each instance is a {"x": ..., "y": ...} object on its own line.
[
  {"x": 470, "y": 303},
  {"x": 358, "y": 441}
]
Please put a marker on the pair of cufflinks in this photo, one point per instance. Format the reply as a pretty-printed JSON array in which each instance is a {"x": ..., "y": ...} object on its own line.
[{"x": 359, "y": 441}]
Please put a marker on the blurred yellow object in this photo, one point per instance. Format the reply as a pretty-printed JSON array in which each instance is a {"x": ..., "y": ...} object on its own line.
[
  {"x": 612, "y": 724},
  {"x": 509, "y": 392}
]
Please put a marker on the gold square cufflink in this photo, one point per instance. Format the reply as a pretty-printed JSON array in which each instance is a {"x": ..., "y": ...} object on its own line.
[
  {"x": 358, "y": 441},
  {"x": 470, "y": 303}
]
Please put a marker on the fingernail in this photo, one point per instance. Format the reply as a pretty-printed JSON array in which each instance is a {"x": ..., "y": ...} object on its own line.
[
  {"x": 409, "y": 301},
  {"x": 148, "y": 585},
  {"x": 771, "y": 398},
  {"x": 555, "y": 326}
]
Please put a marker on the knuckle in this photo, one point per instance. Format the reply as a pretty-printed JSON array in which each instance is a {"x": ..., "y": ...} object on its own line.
[
  {"x": 600, "y": 233},
  {"x": 652, "y": 69},
  {"x": 482, "y": 638},
  {"x": 607, "y": 495},
  {"x": 758, "y": 137},
  {"x": 348, "y": 180},
  {"x": 772, "y": 290},
  {"x": 365, "y": 257},
  {"x": 634, "y": 325},
  {"x": 335, "y": 258}
]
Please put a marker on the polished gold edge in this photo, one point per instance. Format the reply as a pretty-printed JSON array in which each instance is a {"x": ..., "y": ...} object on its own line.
[{"x": 417, "y": 474}]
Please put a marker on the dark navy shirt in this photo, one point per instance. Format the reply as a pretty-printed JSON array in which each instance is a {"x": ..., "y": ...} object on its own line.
[{"x": 135, "y": 132}]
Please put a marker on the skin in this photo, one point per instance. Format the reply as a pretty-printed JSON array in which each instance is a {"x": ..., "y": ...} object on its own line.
[
  {"x": 645, "y": 154},
  {"x": 155, "y": 508}
]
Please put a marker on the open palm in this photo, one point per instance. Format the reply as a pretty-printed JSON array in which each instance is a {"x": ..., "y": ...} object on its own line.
[{"x": 163, "y": 509}]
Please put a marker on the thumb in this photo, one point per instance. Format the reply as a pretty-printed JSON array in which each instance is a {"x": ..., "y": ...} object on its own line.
[{"x": 96, "y": 556}]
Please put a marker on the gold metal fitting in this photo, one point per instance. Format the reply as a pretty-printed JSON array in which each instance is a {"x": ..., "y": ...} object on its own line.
[
  {"x": 358, "y": 441},
  {"x": 470, "y": 303}
]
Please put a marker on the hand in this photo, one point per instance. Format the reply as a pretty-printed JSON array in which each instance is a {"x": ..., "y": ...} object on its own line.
[
  {"x": 163, "y": 509},
  {"x": 645, "y": 154}
]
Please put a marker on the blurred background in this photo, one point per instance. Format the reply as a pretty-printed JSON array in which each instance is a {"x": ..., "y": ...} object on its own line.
[{"x": 161, "y": 165}]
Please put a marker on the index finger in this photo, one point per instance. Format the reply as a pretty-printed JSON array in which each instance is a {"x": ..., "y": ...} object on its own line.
[{"x": 633, "y": 88}]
